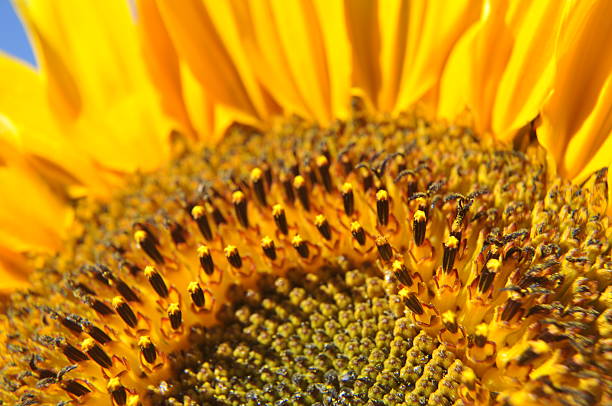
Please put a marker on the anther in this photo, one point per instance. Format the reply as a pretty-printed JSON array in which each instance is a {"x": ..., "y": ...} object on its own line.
[
  {"x": 125, "y": 291},
  {"x": 178, "y": 233},
  {"x": 384, "y": 248},
  {"x": 75, "y": 388},
  {"x": 419, "y": 224},
  {"x": 117, "y": 391},
  {"x": 257, "y": 179},
  {"x": 348, "y": 199},
  {"x": 450, "y": 252},
  {"x": 511, "y": 307},
  {"x": 382, "y": 207},
  {"x": 206, "y": 259},
  {"x": 449, "y": 319},
  {"x": 535, "y": 349},
  {"x": 280, "y": 219},
  {"x": 287, "y": 187},
  {"x": 358, "y": 232},
  {"x": 71, "y": 325},
  {"x": 300, "y": 246},
  {"x": 268, "y": 247},
  {"x": 96, "y": 353},
  {"x": 323, "y": 226},
  {"x": 299, "y": 183},
  {"x": 125, "y": 311},
  {"x": 175, "y": 315},
  {"x": 97, "y": 334},
  {"x": 233, "y": 256},
  {"x": 198, "y": 213},
  {"x": 102, "y": 308},
  {"x": 240, "y": 208},
  {"x": 412, "y": 302},
  {"x": 401, "y": 273},
  {"x": 323, "y": 165},
  {"x": 156, "y": 281},
  {"x": 147, "y": 349},
  {"x": 148, "y": 244},
  {"x": 73, "y": 353},
  {"x": 197, "y": 294},
  {"x": 488, "y": 275}
]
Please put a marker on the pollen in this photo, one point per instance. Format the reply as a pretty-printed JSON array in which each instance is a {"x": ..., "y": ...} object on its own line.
[{"x": 376, "y": 261}]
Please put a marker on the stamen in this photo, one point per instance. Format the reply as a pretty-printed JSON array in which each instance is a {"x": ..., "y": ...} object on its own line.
[
  {"x": 258, "y": 186},
  {"x": 240, "y": 208},
  {"x": 198, "y": 213},
  {"x": 145, "y": 240},
  {"x": 323, "y": 165},
  {"x": 280, "y": 219},
  {"x": 382, "y": 207},
  {"x": 300, "y": 187},
  {"x": 96, "y": 353},
  {"x": 450, "y": 251},
  {"x": 156, "y": 281},
  {"x": 206, "y": 260},
  {"x": 384, "y": 248},
  {"x": 401, "y": 273},
  {"x": 175, "y": 315},
  {"x": 147, "y": 349},
  {"x": 268, "y": 247},
  {"x": 125, "y": 311},
  {"x": 419, "y": 225},
  {"x": 323, "y": 226},
  {"x": 348, "y": 199},
  {"x": 117, "y": 391},
  {"x": 197, "y": 294},
  {"x": 233, "y": 256},
  {"x": 358, "y": 233},
  {"x": 300, "y": 246}
]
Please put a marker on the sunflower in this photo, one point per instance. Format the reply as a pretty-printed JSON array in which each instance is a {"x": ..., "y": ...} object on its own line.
[{"x": 307, "y": 202}]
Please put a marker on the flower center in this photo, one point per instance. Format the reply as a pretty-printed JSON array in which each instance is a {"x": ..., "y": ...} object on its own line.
[{"x": 392, "y": 260}]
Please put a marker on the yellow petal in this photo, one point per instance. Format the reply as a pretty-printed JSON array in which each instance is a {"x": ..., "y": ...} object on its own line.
[
  {"x": 501, "y": 69},
  {"x": 31, "y": 215},
  {"x": 163, "y": 63},
  {"x": 14, "y": 271},
  {"x": 528, "y": 76},
  {"x": 197, "y": 42},
  {"x": 331, "y": 16},
  {"x": 96, "y": 80},
  {"x": 576, "y": 120},
  {"x": 22, "y": 95},
  {"x": 469, "y": 81},
  {"x": 431, "y": 32},
  {"x": 362, "y": 24}
]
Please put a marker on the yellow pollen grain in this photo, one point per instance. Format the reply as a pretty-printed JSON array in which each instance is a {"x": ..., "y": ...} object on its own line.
[
  {"x": 87, "y": 344},
  {"x": 237, "y": 196},
  {"x": 382, "y": 195},
  {"x": 197, "y": 211},
  {"x": 140, "y": 236},
  {"x": 321, "y": 160},
  {"x": 452, "y": 242},
  {"x": 277, "y": 210},
  {"x": 346, "y": 188},
  {"x": 203, "y": 250},
  {"x": 256, "y": 174},
  {"x": 299, "y": 182}
]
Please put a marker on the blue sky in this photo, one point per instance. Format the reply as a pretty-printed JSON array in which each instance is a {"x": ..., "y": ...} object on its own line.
[{"x": 13, "y": 39}]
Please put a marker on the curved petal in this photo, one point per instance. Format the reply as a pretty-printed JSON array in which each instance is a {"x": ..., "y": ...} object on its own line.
[
  {"x": 501, "y": 69},
  {"x": 432, "y": 29},
  {"x": 576, "y": 120},
  {"x": 92, "y": 64},
  {"x": 197, "y": 42}
]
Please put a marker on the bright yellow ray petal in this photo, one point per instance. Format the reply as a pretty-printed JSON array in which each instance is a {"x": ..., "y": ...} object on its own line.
[
  {"x": 31, "y": 215},
  {"x": 268, "y": 55},
  {"x": 528, "y": 76},
  {"x": 223, "y": 18},
  {"x": 197, "y": 42},
  {"x": 300, "y": 34},
  {"x": 22, "y": 96},
  {"x": 362, "y": 24},
  {"x": 432, "y": 30},
  {"x": 97, "y": 83},
  {"x": 331, "y": 16},
  {"x": 470, "y": 79},
  {"x": 576, "y": 118},
  {"x": 163, "y": 63}
]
